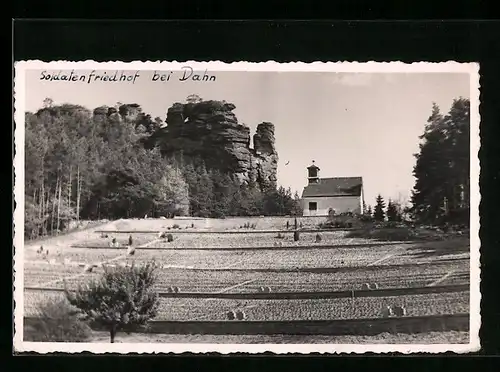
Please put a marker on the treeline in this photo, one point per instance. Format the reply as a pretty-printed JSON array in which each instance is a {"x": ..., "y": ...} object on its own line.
[
  {"x": 392, "y": 211},
  {"x": 215, "y": 194},
  {"x": 92, "y": 165},
  {"x": 441, "y": 194}
]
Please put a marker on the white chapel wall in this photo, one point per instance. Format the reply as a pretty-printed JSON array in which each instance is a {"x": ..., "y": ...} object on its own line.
[{"x": 340, "y": 204}]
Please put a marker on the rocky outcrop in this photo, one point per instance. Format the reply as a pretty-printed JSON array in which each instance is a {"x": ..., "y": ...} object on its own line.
[
  {"x": 210, "y": 130},
  {"x": 128, "y": 112}
]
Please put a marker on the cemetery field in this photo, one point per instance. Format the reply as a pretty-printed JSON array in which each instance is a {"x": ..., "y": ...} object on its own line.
[
  {"x": 248, "y": 281},
  {"x": 216, "y": 309},
  {"x": 238, "y": 263}
]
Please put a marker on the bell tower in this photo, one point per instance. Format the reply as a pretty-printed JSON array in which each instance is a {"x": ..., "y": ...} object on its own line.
[{"x": 313, "y": 173}]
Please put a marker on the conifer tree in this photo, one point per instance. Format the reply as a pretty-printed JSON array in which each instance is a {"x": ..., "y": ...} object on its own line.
[
  {"x": 369, "y": 211},
  {"x": 392, "y": 212},
  {"x": 442, "y": 165},
  {"x": 379, "y": 213}
]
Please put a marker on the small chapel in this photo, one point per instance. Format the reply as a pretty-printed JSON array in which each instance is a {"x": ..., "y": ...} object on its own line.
[{"x": 330, "y": 196}]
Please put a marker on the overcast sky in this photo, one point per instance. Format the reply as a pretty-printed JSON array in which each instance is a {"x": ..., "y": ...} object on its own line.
[{"x": 351, "y": 124}]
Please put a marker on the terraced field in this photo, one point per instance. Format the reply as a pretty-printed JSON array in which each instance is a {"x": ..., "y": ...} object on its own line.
[
  {"x": 237, "y": 263},
  {"x": 314, "y": 309},
  {"x": 266, "y": 259},
  {"x": 230, "y": 223},
  {"x": 256, "y": 240},
  {"x": 212, "y": 281},
  {"x": 246, "y": 281},
  {"x": 282, "y": 269},
  {"x": 317, "y": 309},
  {"x": 105, "y": 241}
]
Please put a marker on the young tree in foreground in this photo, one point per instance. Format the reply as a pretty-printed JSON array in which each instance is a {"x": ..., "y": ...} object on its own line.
[
  {"x": 121, "y": 298},
  {"x": 378, "y": 213}
]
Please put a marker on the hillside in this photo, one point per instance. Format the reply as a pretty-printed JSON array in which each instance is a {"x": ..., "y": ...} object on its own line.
[{"x": 119, "y": 162}]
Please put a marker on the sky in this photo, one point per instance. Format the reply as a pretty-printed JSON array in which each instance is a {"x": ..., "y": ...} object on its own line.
[{"x": 351, "y": 124}]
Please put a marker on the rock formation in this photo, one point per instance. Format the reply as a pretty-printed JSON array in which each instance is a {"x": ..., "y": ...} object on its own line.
[
  {"x": 210, "y": 130},
  {"x": 129, "y": 112}
]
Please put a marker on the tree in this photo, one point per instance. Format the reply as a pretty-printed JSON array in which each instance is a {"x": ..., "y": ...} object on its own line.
[
  {"x": 158, "y": 123},
  {"x": 194, "y": 98},
  {"x": 369, "y": 211},
  {"x": 378, "y": 213},
  {"x": 297, "y": 210},
  {"x": 393, "y": 213},
  {"x": 280, "y": 202},
  {"x": 223, "y": 191},
  {"x": 48, "y": 102},
  {"x": 442, "y": 166},
  {"x": 121, "y": 299}
]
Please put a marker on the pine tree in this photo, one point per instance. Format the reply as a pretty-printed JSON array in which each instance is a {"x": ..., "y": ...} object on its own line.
[
  {"x": 392, "y": 212},
  {"x": 379, "y": 213},
  {"x": 369, "y": 211},
  {"x": 442, "y": 166}
]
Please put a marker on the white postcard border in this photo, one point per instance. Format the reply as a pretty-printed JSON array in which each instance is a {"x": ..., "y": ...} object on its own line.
[{"x": 148, "y": 348}]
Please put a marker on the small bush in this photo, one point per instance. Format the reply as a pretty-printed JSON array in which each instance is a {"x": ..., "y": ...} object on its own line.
[
  {"x": 231, "y": 315},
  {"x": 365, "y": 218},
  {"x": 384, "y": 234},
  {"x": 170, "y": 238},
  {"x": 391, "y": 224},
  {"x": 58, "y": 322}
]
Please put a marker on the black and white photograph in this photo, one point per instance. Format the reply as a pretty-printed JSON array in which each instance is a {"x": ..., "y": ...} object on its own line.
[{"x": 246, "y": 207}]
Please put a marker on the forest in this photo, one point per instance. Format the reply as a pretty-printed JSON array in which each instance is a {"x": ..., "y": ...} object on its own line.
[{"x": 83, "y": 166}]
